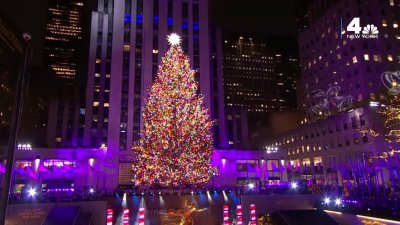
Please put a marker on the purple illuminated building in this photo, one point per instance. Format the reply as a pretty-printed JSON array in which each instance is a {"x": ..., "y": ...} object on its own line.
[{"x": 339, "y": 91}]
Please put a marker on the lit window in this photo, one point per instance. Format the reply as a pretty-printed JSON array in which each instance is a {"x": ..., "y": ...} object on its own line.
[
  {"x": 155, "y": 51},
  {"x": 106, "y": 104},
  {"x": 390, "y": 58},
  {"x": 95, "y": 103},
  {"x": 391, "y": 2},
  {"x": 376, "y": 58},
  {"x": 384, "y": 23},
  {"x": 355, "y": 59},
  {"x": 98, "y": 60},
  {"x": 366, "y": 57},
  {"x": 127, "y": 48},
  {"x": 395, "y": 25},
  {"x": 372, "y": 96}
]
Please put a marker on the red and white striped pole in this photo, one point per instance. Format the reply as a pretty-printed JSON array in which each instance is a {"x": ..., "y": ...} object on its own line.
[
  {"x": 253, "y": 215},
  {"x": 226, "y": 215},
  {"x": 239, "y": 215},
  {"x": 110, "y": 215},
  {"x": 141, "y": 216},
  {"x": 125, "y": 217}
]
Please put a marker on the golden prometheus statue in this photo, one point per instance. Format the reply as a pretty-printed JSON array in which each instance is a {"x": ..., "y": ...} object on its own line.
[{"x": 180, "y": 216}]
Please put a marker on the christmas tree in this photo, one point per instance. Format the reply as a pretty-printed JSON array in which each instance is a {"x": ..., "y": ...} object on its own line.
[{"x": 176, "y": 143}]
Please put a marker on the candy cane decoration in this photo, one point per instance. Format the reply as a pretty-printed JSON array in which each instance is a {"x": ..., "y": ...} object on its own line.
[
  {"x": 239, "y": 217},
  {"x": 253, "y": 216},
  {"x": 110, "y": 215},
  {"x": 125, "y": 217},
  {"x": 226, "y": 215},
  {"x": 141, "y": 216}
]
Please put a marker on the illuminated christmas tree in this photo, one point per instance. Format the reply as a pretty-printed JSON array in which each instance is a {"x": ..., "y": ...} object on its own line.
[
  {"x": 176, "y": 143},
  {"x": 390, "y": 115}
]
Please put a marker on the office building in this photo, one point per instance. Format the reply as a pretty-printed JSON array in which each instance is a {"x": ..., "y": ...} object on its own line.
[
  {"x": 339, "y": 91},
  {"x": 63, "y": 39},
  {"x": 65, "y": 52}
]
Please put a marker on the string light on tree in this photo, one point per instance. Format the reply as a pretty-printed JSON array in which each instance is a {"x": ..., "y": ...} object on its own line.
[{"x": 176, "y": 143}]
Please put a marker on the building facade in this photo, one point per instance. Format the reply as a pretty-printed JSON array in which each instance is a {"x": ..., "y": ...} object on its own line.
[
  {"x": 63, "y": 37},
  {"x": 328, "y": 58},
  {"x": 64, "y": 50},
  {"x": 339, "y": 93},
  {"x": 73, "y": 168},
  {"x": 260, "y": 79},
  {"x": 250, "y": 76},
  {"x": 127, "y": 41}
]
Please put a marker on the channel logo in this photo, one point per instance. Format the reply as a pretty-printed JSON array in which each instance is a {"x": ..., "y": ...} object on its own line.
[{"x": 355, "y": 31}]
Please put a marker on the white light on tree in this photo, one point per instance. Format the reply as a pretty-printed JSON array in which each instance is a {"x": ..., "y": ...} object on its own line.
[
  {"x": 251, "y": 185},
  {"x": 174, "y": 39}
]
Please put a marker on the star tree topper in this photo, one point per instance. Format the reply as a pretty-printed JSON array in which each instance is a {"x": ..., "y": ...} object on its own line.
[{"x": 174, "y": 39}]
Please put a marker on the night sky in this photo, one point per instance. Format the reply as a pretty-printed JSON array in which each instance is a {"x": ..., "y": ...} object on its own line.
[{"x": 260, "y": 18}]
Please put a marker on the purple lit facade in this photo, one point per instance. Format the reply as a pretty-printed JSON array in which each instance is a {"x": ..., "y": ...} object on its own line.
[{"x": 62, "y": 169}]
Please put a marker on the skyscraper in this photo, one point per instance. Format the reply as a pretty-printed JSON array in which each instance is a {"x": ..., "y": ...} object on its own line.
[
  {"x": 250, "y": 76},
  {"x": 127, "y": 41},
  {"x": 64, "y": 48},
  {"x": 63, "y": 36},
  {"x": 258, "y": 76}
]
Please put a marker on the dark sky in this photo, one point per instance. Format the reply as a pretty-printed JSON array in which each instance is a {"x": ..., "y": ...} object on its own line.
[
  {"x": 258, "y": 17},
  {"x": 28, "y": 16}
]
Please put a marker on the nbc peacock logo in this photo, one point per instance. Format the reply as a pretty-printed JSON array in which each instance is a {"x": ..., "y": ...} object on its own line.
[{"x": 370, "y": 31}]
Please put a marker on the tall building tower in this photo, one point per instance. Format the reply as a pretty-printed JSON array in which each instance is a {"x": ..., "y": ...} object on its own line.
[
  {"x": 127, "y": 41},
  {"x": 259, "y": 79},
  {"x": 64, "y": 46},
  {"x": 250, "y": 76},
  {"x": 63, "y": 35}
]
